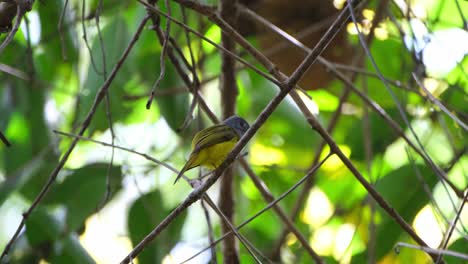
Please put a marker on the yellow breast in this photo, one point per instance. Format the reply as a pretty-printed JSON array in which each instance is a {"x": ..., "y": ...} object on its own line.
[{"x": 211, "y": 157}]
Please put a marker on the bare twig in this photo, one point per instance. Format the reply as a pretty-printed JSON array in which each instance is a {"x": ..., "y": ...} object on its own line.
[
  {"x": 453, "y": 225},
  {"x": 162, "y": 59},
  {"x": 193, "y": 67},
  {"x": 210, "y": 232},
  {"x": 439, "y": 104},
  {"x": 431, "y": 250},
  {"x": 85, "y": 38},
  {"x": 107, "y": 105},
  {"x": 14, "y": 72},
  {"x": 4, "y": 140},
  {"x": 19, "y": 16}
]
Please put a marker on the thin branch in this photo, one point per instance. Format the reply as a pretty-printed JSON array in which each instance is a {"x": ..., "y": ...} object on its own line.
[
  {"x": 85, "y": 38},
  {"x": 4, "y": 140},
  {"x": 453, "y": 224},
  {"x": 162, "y": 59},
  {"x": 439, "y": 104},
  {"x": 210, "y": 232},
  {"x": 231, "y": 228},
  {"x": 19, "y": 16},
  {"x": 14, "y": 72},
  {"x": 107, "y": 105},
  {"x": 431, "y": 250},
  {"x": 193, "y": 67}
]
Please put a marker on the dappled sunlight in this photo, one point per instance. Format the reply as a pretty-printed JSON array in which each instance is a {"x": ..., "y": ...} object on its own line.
[
  {"x": 318, "y": 209},
  {"x": 103, "y": 243},
  {"x": 262, "y": 155},
  {"x": 428, "y": 227}
]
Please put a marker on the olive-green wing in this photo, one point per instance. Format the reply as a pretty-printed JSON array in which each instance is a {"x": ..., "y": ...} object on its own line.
[{"x": 211, "y": 136}]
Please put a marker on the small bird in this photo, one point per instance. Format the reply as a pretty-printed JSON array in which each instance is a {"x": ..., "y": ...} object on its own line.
[{"x": 211, "y": 145}]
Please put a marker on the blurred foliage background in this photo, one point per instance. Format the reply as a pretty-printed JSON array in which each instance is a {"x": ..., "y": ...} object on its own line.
[{"x": 105, "y": 200}]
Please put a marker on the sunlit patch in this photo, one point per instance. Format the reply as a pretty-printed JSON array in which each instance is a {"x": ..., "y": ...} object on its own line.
[
  {"x": 102, "y": 244},
  {"x": 310, "y": 104},
  {"x": 426, "y": 226},
  {"x": 339, "y": 4},
  {"x": 263, "y": 155},
  {"x": 381, "y": 32},
  {"x": 213, "y": 34},
  {"x": 318, "y": 209},
  {"x": 52, "y": 114},
  {"x": 291, "y": 239},
  {"x": 325, "y": 100},
  {"x": 343, "y": 237},
  {"x": 368, "y": 14},
  {"x": 445, "y": 50},
  {"x": 183, "y": 251},
  {"x": 18, "y": 128},
  {"x": 393, "y": 154},
  {"x": 249, "y": 189},
  {"x": 277, "y": 140},
  {"x": 434, "y": 86},
  {"x": 334, "y": 163},
  {"x": 34, "y": 27},
  {"x": 351, "y": 28},
  {"x": 323, "y": 241}
]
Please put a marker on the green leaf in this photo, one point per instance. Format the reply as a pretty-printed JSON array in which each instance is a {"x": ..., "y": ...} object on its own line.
[
  {"x": 174, "y": 108},
  {"x": 115, "y": 37},
  {"x": 144, "y": 215},
  {"x": 83, "y": 191},
  {"x": 381, "y": 135},
  {"x": 69, "y": 250},
  {"x": 405, "y": 193},
  {"x": 42, "y": 227},
  {"x": 443, "y": 14},
  {"x": 460, "y": 246},
  {"x": 52, "y": 52},
  {"x": 31, "y": 177}
]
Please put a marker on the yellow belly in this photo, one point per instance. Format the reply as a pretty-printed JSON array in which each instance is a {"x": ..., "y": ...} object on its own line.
[{"x": 213, "y": 156}]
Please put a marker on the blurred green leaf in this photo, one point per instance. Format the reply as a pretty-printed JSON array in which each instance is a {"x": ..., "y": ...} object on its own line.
[
  {"x": 443, "y": 14},
  {"x": 459, "y": 246},
  {"x": 405, "y": 193},
  {"x": 381, "y": 135},
  {"x": 55, "y": 51},
  {"x": 70, "y": 251},
  {"x": 174, "y": 108},
  {"x": 144, "y": 215},
  {"x": 83, "y": 191},
  {"x": 115, "y": 39},
  {"x": 42, "y": 227},
  {"x": 29, "y": 178}
]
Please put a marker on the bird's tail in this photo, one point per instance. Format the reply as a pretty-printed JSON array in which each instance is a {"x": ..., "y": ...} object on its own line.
[
  {"x": 189, "y": 165},
  {"x": 181, "y": 173}
]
